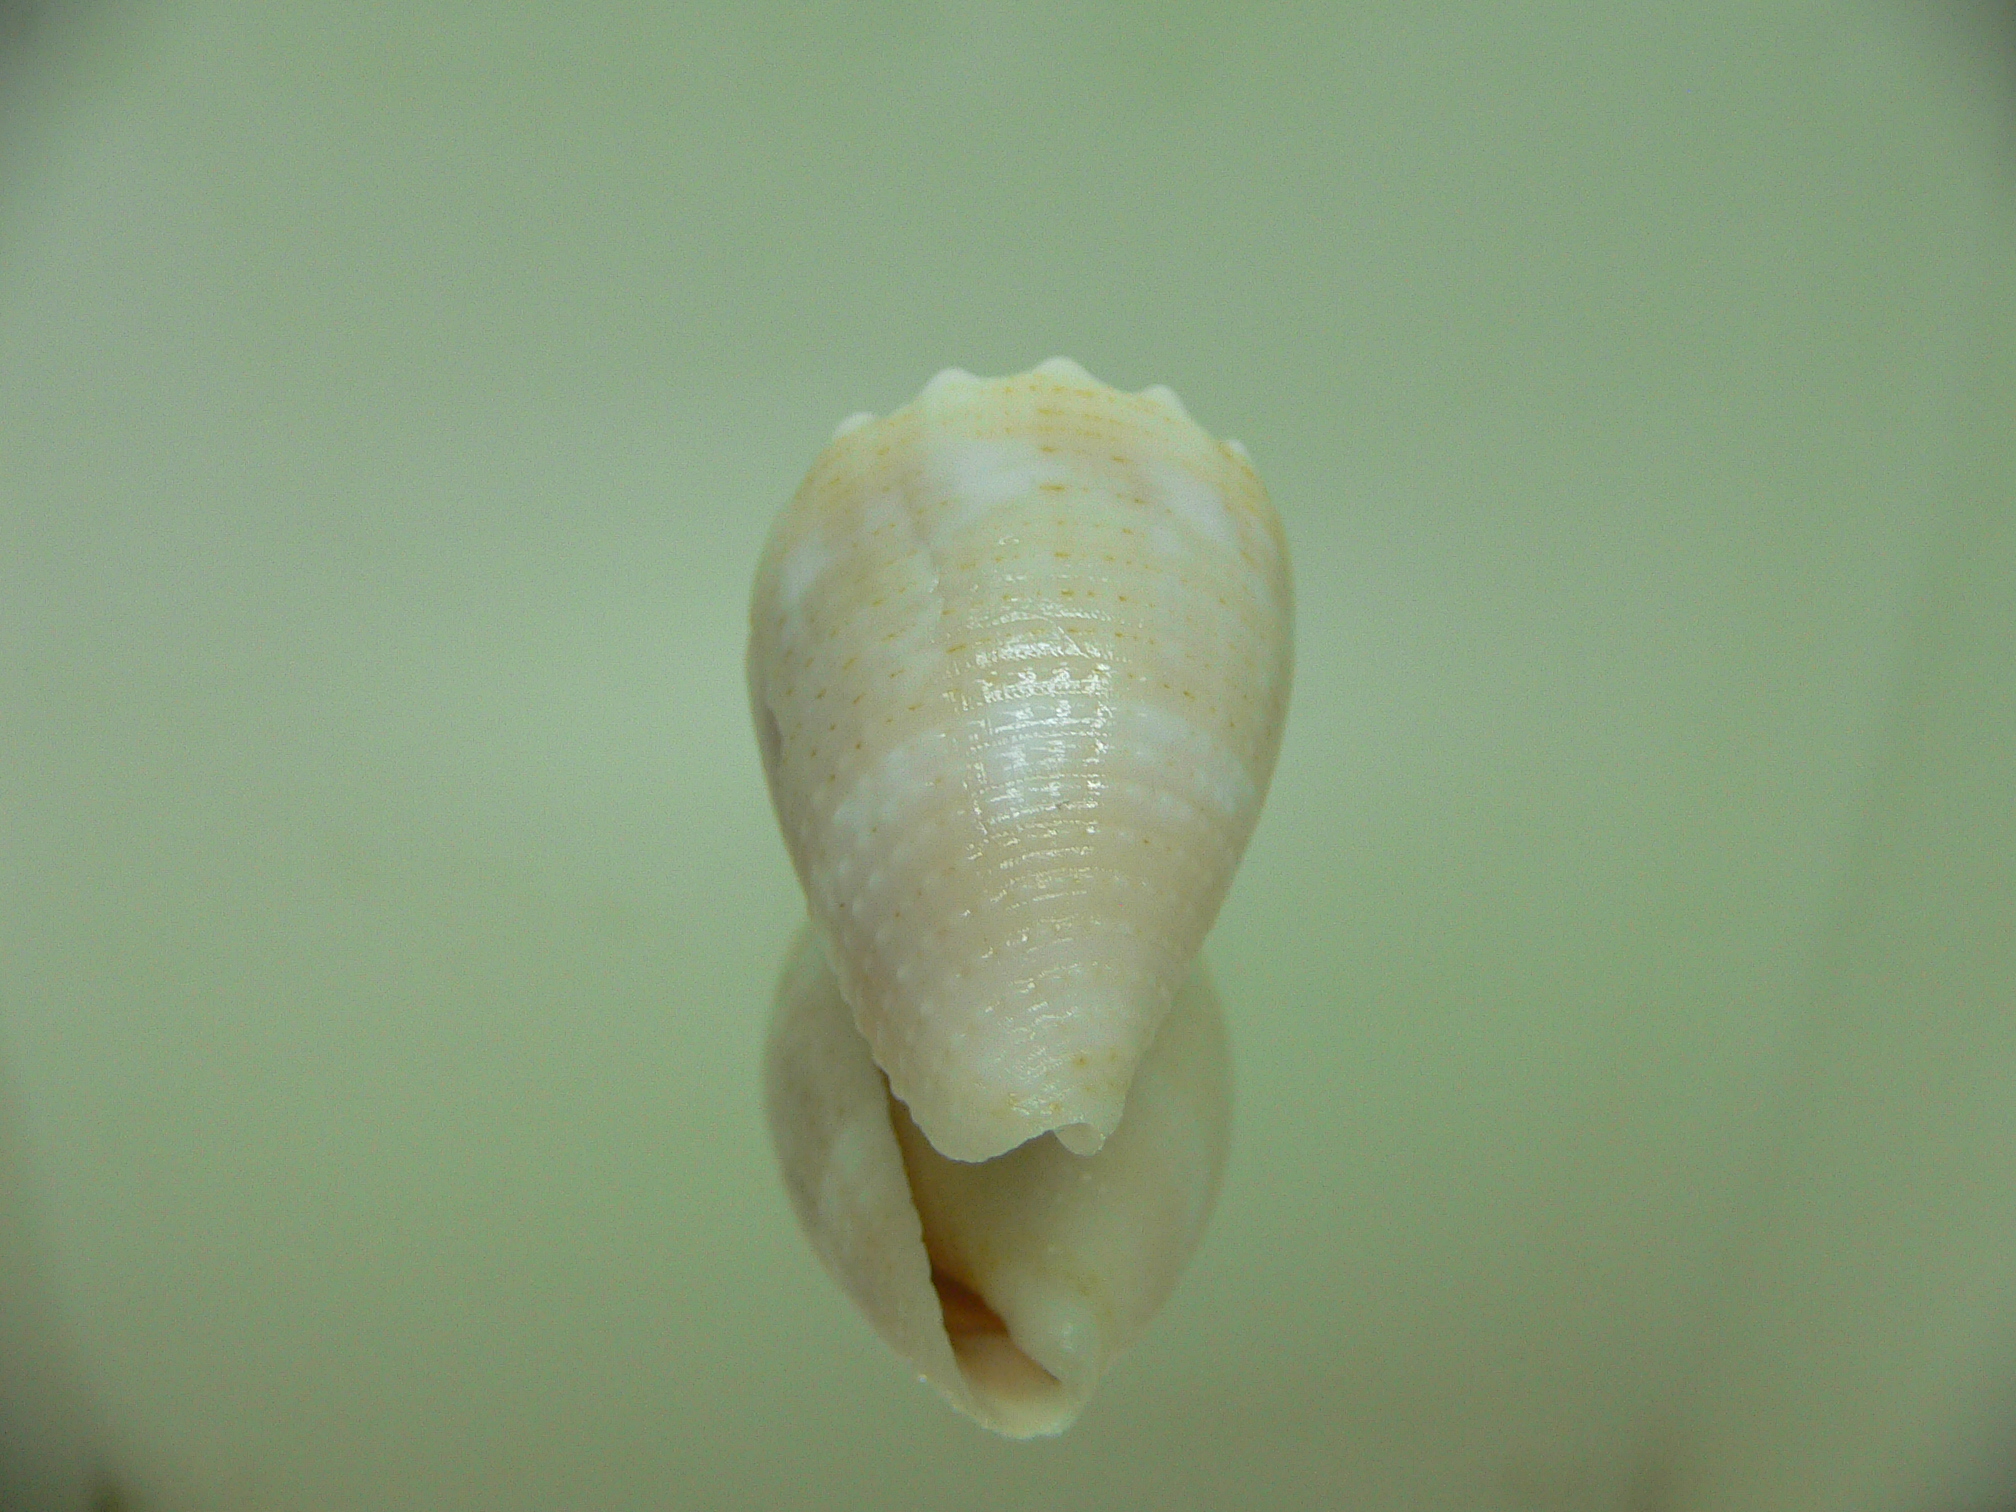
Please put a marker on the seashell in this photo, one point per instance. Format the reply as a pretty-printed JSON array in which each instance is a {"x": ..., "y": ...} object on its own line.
[
  {"x": 1019, "y": 659},
  {"x": 1009, "y": 1284}
]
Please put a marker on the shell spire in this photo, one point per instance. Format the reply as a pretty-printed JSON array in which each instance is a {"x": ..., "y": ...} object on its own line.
[{"x": 1019, "y": 661}]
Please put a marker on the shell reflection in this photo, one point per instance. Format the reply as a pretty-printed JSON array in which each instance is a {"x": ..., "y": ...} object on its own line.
[{"x": 1010, "y": 1284}]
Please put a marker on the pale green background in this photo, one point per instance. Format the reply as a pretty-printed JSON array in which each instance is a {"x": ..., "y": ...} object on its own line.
[{"x": 392, "y": 402}]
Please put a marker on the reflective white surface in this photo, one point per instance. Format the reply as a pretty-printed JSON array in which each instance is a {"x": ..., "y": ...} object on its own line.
[{"x": 391, "y": 408}]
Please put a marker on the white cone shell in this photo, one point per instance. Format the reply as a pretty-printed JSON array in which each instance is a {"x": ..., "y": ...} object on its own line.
[
  {"x": 1019, "y": 660},
  {"x": 1010, "y": 1285}
]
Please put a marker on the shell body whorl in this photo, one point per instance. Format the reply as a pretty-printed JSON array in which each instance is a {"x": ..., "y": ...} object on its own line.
[{"x": 1019, "y": 661}]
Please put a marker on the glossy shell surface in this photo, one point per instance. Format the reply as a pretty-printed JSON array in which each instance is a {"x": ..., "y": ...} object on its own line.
[{"x": 1019, "y": 662}]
